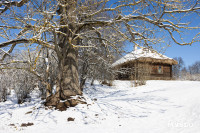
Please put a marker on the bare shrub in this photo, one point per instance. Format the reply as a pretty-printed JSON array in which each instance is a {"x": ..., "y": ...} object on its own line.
[
  {"x": 24, "y": 84},
  {"x": 3, "y": 94},
  {"x": 95, "y": 67},
  {"x": 5, "y": 82}
]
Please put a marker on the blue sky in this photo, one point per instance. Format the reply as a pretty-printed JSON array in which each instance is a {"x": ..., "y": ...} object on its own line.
[{"x": 190, "y": 54}]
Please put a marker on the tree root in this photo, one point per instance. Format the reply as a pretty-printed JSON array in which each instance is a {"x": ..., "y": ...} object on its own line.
[{"x": 63, "y": 105}]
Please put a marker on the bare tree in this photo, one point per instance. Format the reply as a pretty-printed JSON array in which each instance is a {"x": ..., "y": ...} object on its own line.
[
  {"x": 176, "y": 69},
  {"x": 4, "y": 80},
  {"x": 44, "y": 64},
  {"x": 24, "y": 83},
  {"x": 61, "y": 25},
  {"x": 194, "y": 71},
  {"x": 95, "y": 65},
  {"x": 195, "y": 68}
]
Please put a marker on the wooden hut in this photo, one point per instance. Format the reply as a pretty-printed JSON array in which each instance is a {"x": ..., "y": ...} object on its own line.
[{"x": 144, "y": 64}]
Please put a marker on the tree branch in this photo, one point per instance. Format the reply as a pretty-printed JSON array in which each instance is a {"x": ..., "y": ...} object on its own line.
[
  {"x": 32, "y": 40},
  {"x": 9, "y": 51},
  {"x": 183, "y": 11},
  {"x": 11, "y": 3}
]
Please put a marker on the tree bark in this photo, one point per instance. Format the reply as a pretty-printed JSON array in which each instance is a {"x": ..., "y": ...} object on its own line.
[
  {"x": 68, "y": 74},
  {"x": 68, "y": 79},
  {"x": 67, "y": 83}
]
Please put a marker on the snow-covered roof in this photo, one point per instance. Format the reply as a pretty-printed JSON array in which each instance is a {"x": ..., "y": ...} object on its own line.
[{"x": 141, "y": 54}]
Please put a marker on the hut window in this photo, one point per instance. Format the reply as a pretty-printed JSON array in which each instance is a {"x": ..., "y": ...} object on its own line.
[{"x": 160, "y": 69}]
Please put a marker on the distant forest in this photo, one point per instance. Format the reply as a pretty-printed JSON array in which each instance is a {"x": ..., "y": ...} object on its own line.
[{"x": 181, "y": 72}]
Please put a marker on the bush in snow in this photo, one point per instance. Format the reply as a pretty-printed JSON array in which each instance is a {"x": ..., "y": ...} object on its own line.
[
  {"x": 43, "y": 72},
  {"x": 22, "y": 93},
  {"x": 95, "y": 66},
  {"x": 5, "y": 83},
  {"x": 42, "y": 89},
  {"x": 24, "y": 84},
  {"x": 3, "y": 94}
]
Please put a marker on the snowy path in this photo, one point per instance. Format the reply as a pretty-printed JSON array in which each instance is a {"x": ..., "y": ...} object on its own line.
[{"x": 158, "y": 107}]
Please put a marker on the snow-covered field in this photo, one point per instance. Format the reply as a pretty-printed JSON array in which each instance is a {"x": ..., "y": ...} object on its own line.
[{"x": 158, "y": 107}]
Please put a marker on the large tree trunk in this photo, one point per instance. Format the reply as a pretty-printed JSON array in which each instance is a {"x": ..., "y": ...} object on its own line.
[
  {"x": 68, "y": 79},
  {"x": 68, "y": 74}
]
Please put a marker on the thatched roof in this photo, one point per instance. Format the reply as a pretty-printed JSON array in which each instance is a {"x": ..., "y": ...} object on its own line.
[{"x": 144, "y": 55}]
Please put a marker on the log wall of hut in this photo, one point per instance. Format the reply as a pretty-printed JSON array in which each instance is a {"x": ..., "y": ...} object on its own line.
[
  {"x": 147, "y": 71},
  {"x": 161, "y": 72}
]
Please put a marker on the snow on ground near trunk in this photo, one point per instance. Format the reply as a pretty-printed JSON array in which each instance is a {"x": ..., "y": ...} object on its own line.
[{"x": 158, "y": 107}]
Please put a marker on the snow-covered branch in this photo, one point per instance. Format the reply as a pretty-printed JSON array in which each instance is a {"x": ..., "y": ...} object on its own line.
[{"x": 8, "y": 4}]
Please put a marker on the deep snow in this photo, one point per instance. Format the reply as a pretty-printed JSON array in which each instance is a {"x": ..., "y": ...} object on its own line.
[{"x": 158, "y": 107}]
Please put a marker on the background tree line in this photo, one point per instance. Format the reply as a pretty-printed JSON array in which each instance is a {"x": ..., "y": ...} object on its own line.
[{"x": 181, "y": 72}]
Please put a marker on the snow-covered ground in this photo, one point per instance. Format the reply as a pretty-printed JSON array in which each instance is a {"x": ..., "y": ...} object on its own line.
[{"x": 158, "y": 107}]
